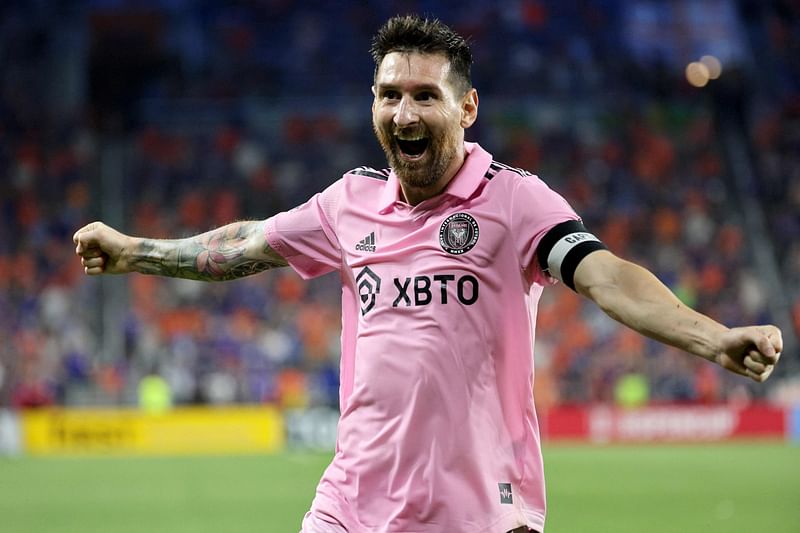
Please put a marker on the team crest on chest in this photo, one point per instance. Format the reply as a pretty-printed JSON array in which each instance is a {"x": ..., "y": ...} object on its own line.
[{"x": 458, "y": 233}]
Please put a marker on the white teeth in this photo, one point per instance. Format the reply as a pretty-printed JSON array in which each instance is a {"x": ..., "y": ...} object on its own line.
[{"x": 410, "y": 137}]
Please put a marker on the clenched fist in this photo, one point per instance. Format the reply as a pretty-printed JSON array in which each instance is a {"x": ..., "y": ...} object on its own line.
[
  {"x": 751, "y": 351},
  {"x": 102, "y": 249}
]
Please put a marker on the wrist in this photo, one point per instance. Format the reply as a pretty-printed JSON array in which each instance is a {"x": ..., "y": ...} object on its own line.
[
  {"x": 714, "y": 347},
  {"x": 127, "y": 258},
  {"x": 145, "y": 256}
]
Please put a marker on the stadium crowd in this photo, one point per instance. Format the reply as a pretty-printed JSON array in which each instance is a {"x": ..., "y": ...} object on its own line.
[{"x": 238, "y": 111}]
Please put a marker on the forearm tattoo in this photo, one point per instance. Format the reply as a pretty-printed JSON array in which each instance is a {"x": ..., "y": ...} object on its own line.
[{"x": 222, "y": 254}]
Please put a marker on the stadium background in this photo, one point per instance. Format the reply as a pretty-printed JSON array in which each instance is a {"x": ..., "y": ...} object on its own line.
[{"x": 167, "y": 118}]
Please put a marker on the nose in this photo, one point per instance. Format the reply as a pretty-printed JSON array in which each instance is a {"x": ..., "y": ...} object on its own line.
[{"x": 406, "y": 113}]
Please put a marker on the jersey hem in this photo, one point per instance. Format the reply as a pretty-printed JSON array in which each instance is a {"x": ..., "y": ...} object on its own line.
[{"x": 512, "y": 520}]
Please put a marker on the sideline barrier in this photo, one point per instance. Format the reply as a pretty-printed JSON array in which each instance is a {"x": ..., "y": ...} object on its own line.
[
  {"x": 312, "y": 429},
  {"x": 191, "y": 430},
  {"x": 264, "y": 429},
  {"x": 675, "y": 423}
]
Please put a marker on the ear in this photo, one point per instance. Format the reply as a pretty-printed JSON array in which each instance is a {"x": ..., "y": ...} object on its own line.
[
  {"x": 374, "y": 94},
  {"x": 469, "y": 108}
]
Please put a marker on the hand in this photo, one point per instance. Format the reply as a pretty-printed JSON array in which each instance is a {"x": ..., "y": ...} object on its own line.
[
  {"x": 101, "y": 249},
  {"x": 751, "y": 351}
]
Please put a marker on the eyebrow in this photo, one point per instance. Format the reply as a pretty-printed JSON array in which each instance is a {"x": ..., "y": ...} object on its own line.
[{"x": 415, "y": 88}]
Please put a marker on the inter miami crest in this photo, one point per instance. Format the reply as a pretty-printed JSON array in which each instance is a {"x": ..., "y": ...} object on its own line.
[{"x": 458, "y": 233}]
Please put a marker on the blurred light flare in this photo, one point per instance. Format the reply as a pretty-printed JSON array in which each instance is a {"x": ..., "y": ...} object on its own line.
[
  {"x": 697, "y": 74},
  {"x": 713, "y": 65}
]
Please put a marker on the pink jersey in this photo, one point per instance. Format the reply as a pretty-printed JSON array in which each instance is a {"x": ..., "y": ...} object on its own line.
[{"x": 438, "y": 430}]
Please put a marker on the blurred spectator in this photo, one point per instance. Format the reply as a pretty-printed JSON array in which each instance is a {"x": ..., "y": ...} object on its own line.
[{"x": 154, "y": 394}]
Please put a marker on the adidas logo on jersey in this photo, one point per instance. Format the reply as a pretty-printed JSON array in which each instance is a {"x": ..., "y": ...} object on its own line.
[{"x": 367, "y": 244}]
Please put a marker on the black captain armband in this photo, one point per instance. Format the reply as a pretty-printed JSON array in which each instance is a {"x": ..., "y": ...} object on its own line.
[{"x": 564, "y": 247}]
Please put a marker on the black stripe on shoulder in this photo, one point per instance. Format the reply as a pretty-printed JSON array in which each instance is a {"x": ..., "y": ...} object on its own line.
[
  {"x": 371, "y": 173},
  {"x": 496, "y": 166},
  {"x": 553, "y": 236}
]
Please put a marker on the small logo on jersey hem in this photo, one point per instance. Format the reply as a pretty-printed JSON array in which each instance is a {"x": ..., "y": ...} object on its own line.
[
  {"x": 505, "y": 493},
  {"x": 367, "y": 244},
  {"x": 458, "y": 233}
]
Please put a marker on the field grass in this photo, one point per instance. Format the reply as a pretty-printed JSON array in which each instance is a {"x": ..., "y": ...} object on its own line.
[{"x": 715, "y": 488}]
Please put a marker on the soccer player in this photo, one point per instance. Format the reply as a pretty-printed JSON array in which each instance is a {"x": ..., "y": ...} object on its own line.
[{"x": 442, "y": 257}]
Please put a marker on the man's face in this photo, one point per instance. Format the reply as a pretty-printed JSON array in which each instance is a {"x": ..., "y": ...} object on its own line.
[{"x": 418, "y": 117}]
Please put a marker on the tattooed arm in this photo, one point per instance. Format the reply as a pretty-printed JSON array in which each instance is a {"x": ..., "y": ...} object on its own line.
[{"x": 230, "y": 252}]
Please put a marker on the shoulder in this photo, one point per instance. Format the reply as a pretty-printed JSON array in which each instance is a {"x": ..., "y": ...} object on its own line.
[
  {"x": 358, "y": 186},
  {"x": 356, "y": 181},
  {"x": 501, "y": 176},
  {"x": 503, "y": 171},
  {"x": 515, "y": 178},
  {"x": 362, "y": 183},
  {"x": 528, "y": 194}
]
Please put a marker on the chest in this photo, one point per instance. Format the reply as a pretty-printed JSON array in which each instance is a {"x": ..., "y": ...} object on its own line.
[
  {"x": 468, "y": 235},
  {"x": 444, "y": 256}
]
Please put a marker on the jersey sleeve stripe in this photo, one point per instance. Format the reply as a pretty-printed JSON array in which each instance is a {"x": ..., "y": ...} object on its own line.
[
  {"x": 371, "y": 173},
  {"x": 495, "y": 167}
]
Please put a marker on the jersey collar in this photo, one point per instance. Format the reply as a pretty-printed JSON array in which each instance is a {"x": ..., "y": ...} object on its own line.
[{"x": 463, "y": 185}]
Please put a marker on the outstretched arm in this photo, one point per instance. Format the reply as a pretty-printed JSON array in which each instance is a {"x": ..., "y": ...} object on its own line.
[
  {"x": 633, "y": 296},
  {"x": 230, "y": 252}
]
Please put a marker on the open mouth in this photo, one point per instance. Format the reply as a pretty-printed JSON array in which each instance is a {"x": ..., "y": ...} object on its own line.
[{"x": 412, "y": 148}]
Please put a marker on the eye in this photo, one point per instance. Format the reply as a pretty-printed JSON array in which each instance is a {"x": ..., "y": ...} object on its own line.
[
  {"x": 391, "y": 94},
  {"x": 424, "y": 96}
]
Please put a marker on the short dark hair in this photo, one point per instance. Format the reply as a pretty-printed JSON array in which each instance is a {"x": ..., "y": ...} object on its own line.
[{"x": 411, "y": 33}]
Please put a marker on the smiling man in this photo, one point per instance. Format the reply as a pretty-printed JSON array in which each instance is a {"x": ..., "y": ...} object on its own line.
[
  {"x": 443, "y": 257},
  {"x": 423, "y": 103}
]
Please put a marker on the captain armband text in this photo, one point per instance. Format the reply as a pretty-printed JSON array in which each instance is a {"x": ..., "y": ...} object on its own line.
[{"x": 564, "y": 247}]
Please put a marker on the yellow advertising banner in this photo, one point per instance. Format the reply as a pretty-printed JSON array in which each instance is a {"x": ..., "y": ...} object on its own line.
[{"x": 190, "y": 430}]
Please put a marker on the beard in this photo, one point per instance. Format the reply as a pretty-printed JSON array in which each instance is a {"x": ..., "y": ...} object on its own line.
[{"x": 429, "y": 169}]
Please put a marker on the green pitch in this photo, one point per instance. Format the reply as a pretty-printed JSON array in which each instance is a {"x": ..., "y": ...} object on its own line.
[{"x": 706, "y": 489}]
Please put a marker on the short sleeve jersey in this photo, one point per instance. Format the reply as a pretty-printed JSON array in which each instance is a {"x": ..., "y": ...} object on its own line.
[{"x": 438, "y": 430}]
